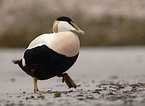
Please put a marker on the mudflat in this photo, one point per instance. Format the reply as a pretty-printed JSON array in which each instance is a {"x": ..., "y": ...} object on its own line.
[{"x": 106, "y": 76}]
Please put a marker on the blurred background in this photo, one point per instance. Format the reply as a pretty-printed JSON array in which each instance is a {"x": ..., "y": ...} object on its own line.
[
  {"x": 113, "y": 49},
  {"x": 105, "y": 22}
]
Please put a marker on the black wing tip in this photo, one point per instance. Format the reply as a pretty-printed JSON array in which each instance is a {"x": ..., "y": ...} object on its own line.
[{"x": 15, "y": 61}]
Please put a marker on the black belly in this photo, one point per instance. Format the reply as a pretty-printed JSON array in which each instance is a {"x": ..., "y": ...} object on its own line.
[{"x": 44, "y": 63}]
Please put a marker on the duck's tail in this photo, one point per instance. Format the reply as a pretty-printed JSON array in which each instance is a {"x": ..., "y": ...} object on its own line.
[{"x": 15, "y": 61}]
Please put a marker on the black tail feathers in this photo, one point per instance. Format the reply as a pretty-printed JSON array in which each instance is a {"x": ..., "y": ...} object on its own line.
[{"x": 15, "y": 61}]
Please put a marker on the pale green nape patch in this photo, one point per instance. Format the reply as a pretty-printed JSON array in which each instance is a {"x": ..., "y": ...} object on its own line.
[
  {"x": 40, "y": 40},
  {"x": 55, "y": 27}
]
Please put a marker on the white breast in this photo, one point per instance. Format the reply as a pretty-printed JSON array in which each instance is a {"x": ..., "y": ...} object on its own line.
[{"x": 66, "y": 43}]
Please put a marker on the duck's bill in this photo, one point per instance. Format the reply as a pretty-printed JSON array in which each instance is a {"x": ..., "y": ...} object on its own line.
[{"x": 80, "y": 32}]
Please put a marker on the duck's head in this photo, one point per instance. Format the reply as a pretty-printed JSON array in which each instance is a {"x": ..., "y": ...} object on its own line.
[{"x": 66, "y": 24}]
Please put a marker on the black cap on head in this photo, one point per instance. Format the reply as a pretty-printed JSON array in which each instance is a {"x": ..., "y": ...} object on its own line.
[{"x": 64, "y": 18}]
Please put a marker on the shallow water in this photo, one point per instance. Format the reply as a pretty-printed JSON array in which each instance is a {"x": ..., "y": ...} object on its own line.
[{"x": 96, "y": 66}]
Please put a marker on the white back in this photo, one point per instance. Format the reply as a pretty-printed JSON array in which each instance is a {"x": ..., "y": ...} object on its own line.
[{"x": 41, "y": 40}]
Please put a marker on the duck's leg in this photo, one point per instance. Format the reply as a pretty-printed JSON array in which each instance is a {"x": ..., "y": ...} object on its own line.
[
  {"x": 69, "y": 82},
  {"x": 36, "y": 90}
]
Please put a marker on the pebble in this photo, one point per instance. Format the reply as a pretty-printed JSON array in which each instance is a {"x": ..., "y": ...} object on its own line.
[
  {"x": 24, "y": 92},
  {"x": 99, "y": 89},
  {"x": 79, "y": 95},
  {"x": 89, "y": 97},
  {"x": 41, "y": 96},
  {"x": 57, "y": 94},
  {"x": 13, "y": 79},
  {"x": 80, "y": 98}
]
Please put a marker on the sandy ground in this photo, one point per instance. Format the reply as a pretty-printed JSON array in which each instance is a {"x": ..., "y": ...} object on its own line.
[{"x": 106, "y": 77}]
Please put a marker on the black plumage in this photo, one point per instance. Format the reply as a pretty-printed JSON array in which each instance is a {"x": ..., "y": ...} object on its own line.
[
  {"x": 63, "y": 18},
  {"x": 44, "y": 63}
]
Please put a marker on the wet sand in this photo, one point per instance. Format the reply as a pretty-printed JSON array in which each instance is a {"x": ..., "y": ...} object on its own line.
[{"x": 106, "y": 76}]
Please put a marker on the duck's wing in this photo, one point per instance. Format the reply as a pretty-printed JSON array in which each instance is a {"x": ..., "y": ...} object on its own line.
[
  {"x": 43, "y": 39},
  {"x": 37, "y": 54},
  {"x": 34, "y": 46},
  {"x": 38, "y": 50}
]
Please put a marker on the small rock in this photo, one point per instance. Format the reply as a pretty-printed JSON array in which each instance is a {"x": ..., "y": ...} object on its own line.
[
  {"x": 41, "y": 96},
  {"x": 80, "y": 98},
  {"x": 110, "y": 93},
  {"x": 96, "y": 92},
  {"x": 57, "y": 94},
  {"x": 89, "y": 97},
  {"x": 13, "y": 79},
  {"x": 71, "y": 91},
  {"x": 32, "y": 97},
  {"x": 99, "y": 89},
  {"x": 79, "y": 95},
  {"x": 93, "y": 81},
  {"x": 24, "y": 92}
]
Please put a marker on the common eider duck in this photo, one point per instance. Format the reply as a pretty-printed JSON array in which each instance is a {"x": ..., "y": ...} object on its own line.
[{"x": 50, "y": 55}]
